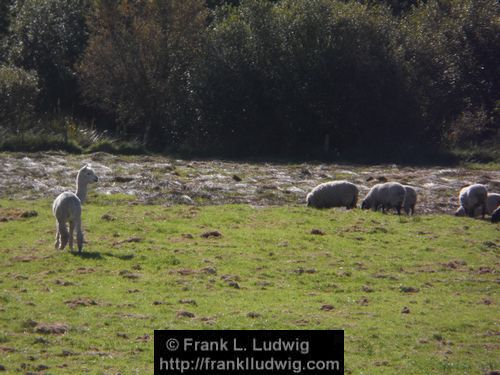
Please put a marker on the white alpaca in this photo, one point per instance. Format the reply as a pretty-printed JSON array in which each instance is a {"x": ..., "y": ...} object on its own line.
[{"x": 67, "y": 207}]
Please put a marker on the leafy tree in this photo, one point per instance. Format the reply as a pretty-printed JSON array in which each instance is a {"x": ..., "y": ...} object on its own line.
[
  {"x": 215, "y": 3},
  {"x": 139, "y": 61},
  {"x": 18, "y": 92},
  {"x": 48, "y": 36},
  {"x": 398, "y": 7},
  {"x": 4, "y": 15},
  {"x": 451, "y": 53},
  {"x": 294, "y": 76}
]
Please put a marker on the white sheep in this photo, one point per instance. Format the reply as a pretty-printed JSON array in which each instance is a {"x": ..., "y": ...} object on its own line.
[
  {"x": 492, "y": 202},
  {"x": 67, "y": 208},
  {"x": 470, "y": 198},
  {"x": 387, "y": 195},
  {"x": 410, "y": 199},
  {"x": 333, "y": 194}
]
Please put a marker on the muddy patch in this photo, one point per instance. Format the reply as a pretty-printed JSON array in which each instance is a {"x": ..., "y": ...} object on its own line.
[
  {"x": 80, "y": 302},
  {"x": 211, "y": 234},
  {"x": 51, "y": 328},
  {"x": 27, "y": 258},
  {"x": 167, "y": 181},
  {"x": 10, "y": 214},
  {"x": 185, "y": 314}
]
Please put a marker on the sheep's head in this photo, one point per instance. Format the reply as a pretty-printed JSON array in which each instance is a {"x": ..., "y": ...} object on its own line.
[
  {"x": 86, "y": 175},
  {"x": 308, "y": 200},
  {"x": 460, "y": 211},
  {"x": 495, "y": 216},
  {"x": 365, "y": 205}
]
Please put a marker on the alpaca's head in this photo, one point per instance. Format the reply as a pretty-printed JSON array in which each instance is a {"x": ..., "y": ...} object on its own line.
[{"x": 86, "y": 175}]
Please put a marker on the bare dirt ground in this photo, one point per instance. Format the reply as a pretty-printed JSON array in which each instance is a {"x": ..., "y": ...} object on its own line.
[{"x": 161, "y": 180}]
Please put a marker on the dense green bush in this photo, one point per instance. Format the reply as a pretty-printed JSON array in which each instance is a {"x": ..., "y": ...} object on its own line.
[
  {"x": 4, "y": 16},
  {"x": 34, "y": 142},
  {"x": 288, "y": 77},
  {"x": 48, "y": 36},
  {"x": 18, "y": 93},
  {"x": 450, "y": 50},
  {"x": 138, "y": 65},
  {"x": 376, "y": 78}
]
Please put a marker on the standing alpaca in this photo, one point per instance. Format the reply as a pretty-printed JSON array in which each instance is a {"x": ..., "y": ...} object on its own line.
[{"x": 67, "y": 207}]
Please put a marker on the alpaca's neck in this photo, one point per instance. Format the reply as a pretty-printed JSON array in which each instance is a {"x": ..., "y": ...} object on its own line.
[{"x": 81, "y": 190}]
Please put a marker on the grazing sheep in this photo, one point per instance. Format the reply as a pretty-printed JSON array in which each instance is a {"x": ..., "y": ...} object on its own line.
[
  {"x": 410, "y": 199},
  {"x": 460, "y": 211},
  {"x": 470, "y": 198},
  {"x": 333, "y": 194},
  {"x": 492, "y": 202},
  {"x": 495, "y": 216},
  {"x": 387, "y": 195},
  {"x": 67, "y": 207}
]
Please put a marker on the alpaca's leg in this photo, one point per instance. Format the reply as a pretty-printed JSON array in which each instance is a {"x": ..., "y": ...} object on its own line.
[
  {"x": 58, "y": 237},
  {"x": 71, "y": 231},
  {"x": 63, "y": 232},
  {"x": 79, "y": 235}
]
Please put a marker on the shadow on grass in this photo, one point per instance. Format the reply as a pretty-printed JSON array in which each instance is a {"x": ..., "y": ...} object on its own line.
[
  {"x": 87, "y": 254},
  {"x": 120, "y": 256},
  {"x": 98, "y": 255}
]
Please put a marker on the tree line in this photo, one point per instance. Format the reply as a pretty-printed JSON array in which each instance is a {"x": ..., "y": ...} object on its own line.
[{"x": 255, "y": 77}]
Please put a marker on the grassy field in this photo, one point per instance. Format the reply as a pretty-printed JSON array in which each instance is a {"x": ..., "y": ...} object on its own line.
[{"x": 414, "y": 295}]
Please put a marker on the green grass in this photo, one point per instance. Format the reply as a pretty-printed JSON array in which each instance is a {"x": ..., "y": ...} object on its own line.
[
  {"x": 492, "y": 166},
  {"x": 369, "y": 266}
]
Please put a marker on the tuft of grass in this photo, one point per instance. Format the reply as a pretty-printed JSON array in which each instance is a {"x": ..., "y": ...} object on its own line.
[
  {"x": 32, "y": 142},
  {"x": 78, "y": 140},
  {"x": 481, "y": 155},
  {"x": 137, "y": 268},
  {"x": 117, "y": 147}
]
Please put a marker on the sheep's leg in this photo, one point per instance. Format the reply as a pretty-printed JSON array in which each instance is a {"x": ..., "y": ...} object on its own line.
[
  {"x": 58, "y": 237},
  {"x": 79, "y": 236},
  {"x": 483, "y": 210},
  {"x": 470, "y": 212},
  {"x": 352, "y": 204},
  {"x": 398, "y": 209},
  {"x": 71, "y": 231},
  {"x": 412, "y": 210},
  {"x": 63, "y": 232}
]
